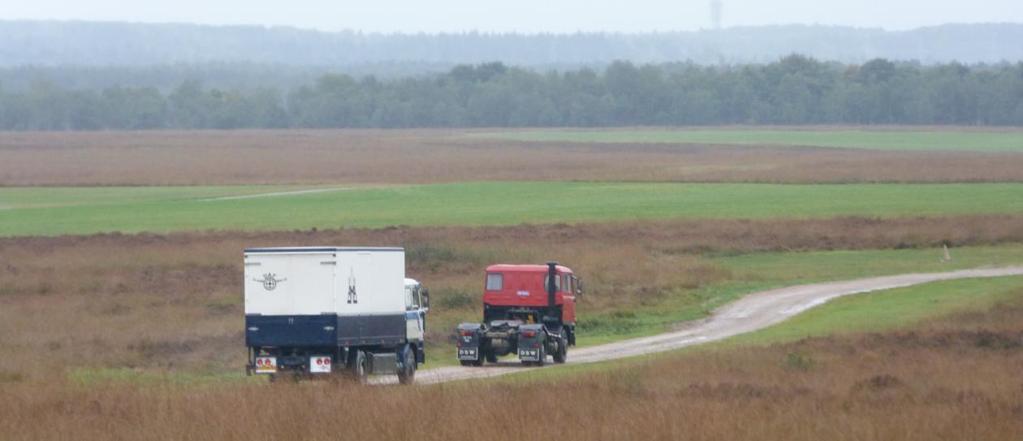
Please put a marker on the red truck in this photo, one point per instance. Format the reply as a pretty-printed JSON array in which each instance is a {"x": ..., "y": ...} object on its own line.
[{"x": 528, "y": 310}]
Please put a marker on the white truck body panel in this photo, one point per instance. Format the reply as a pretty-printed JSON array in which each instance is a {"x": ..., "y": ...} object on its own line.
[
  {"x": 370, "y": 283},
  {"x": 290, "y": 284},
  {"x": 314, "y": 281}
]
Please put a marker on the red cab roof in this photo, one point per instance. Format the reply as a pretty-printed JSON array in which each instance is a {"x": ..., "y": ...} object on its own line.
[{"x": 507, "y": 268}]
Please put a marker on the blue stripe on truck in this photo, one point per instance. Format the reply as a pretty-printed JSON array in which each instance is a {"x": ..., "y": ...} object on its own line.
[
  {"x": 290, "y": 330},
  {"x": 324, "y": 330}
]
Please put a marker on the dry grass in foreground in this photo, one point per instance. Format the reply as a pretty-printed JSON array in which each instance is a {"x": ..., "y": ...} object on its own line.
[
  {"x": 952, "y": 379},
  {"x": 428, "y": 156}
]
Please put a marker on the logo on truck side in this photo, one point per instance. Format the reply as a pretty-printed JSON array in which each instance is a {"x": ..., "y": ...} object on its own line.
[
  {"x": 270, "y": 281},
  {"x": 353, "y": 296}
]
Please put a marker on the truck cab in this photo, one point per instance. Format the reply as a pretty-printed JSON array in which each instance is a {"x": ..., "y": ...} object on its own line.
[
  {"x": 416, "y": 307},
  {"x": 528, "y": 310},
  {"x": 520, "y": 292}
]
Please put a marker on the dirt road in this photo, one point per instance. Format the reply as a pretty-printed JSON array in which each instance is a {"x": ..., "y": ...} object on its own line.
[{"x": 752, "y": 312}]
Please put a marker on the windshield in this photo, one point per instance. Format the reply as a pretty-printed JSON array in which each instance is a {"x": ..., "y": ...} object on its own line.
[{"x": 495, "y": 281}]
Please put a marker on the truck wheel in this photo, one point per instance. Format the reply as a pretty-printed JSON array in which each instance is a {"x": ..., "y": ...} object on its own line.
[
  {"x": 407, "y": 374},
  {"x": 561, "y": 355},
  {"x": 491, "y": 357},
  {"x": 360, "y": 367}
]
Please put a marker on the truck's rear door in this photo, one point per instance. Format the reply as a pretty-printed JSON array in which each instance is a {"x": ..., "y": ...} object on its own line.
[{"x": 286, "y": 283}]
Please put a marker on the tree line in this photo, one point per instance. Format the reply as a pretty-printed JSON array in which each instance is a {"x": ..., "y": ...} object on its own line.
[{"x": 793, "y": 90}]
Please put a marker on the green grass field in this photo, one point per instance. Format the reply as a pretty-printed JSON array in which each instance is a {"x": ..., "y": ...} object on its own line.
[
  {"x": 890, "y": 309},
  {"x": 54, "y": 211},
  {"x": 981, "y": 141}
]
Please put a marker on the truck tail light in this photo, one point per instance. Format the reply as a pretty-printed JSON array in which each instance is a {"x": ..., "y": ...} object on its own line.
[
  {"x": 529, "y": 334},
  {"x": 319, "y": 364},
  {"x": 466, "y": 333}
]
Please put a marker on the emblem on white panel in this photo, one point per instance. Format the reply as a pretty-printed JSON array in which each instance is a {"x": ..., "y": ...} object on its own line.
[
  {"x": 270, "y": 281},
  {"x": 353, "y": 296}
]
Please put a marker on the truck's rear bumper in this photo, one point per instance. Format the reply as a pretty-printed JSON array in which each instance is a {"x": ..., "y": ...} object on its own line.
[{"x": 316, "y": 364}]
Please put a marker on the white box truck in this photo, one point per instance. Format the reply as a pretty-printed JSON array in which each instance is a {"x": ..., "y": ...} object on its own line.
[{"x": 314, "y": 311}]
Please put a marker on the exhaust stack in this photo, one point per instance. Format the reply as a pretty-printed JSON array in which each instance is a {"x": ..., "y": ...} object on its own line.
[{"x": 552, "y": 286}]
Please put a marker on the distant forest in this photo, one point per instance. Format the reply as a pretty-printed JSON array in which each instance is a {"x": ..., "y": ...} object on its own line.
[
  {"x": 794, "y": 90},
  {"x": 67, "y": 43}
]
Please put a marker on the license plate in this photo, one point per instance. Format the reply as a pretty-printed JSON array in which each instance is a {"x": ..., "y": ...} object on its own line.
[
  {"x": 467, "y": 354},
  {"x": 266, "y": 365},
  {"x": 529, "y": 354}
]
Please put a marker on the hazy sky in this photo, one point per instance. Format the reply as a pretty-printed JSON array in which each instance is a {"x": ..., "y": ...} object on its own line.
[{"x": 521, "y": 15}]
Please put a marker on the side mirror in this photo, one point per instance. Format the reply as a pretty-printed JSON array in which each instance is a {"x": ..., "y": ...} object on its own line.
[
  {"x": 426, "y": 299},
  {"x": 578, "y": 286}
]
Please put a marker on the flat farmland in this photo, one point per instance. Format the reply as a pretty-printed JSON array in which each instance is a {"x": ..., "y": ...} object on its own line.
[
  {"x": 905, "y": 139},
  {"x": 350, "y": 157},
  {"x": 120, "y": 269},
  {"x": 82, "y": 210}
]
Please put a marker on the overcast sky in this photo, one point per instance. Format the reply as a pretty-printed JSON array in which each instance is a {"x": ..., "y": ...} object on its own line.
[{"x": 522, "y": 15}]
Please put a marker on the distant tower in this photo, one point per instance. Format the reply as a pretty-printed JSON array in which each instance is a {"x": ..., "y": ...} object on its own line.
[{"x": 716, "y": 10}]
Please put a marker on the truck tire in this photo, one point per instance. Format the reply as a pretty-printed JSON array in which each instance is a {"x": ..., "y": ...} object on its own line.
[
  {"x": 360, "y": 367},
  {"x": 407, "y": 374},
  {"x": 561, "y": 355},
  {"x": 491, "y": 357}
]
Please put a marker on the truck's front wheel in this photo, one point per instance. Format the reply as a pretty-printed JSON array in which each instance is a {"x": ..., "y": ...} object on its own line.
[
  {"x": 407, "y": 373},
  {"x": 561, "y": 354}
]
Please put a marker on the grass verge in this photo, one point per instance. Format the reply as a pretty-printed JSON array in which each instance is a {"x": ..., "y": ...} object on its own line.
[
  {"x": 56, "y": 211},
  {"x": 914, "y": 140}
]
